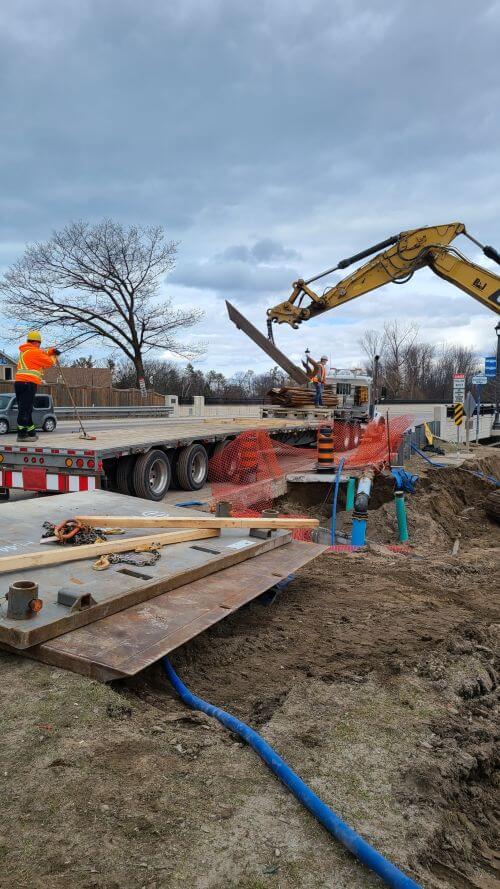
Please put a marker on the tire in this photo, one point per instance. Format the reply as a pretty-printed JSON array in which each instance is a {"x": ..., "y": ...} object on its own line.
[
  {"x": 192, "y": 467},
  {"x": 229, "y": 470},
  {"x": 49, "y": 424},
  {"x": 4, "y": 427},
  {"x": 341, "y": 437},
  {"x": 219, "y": 447},
  {"x": 125, "y": 475},
  {"x": 152, "y": 475},
  {"x": 356, "y": 436},
  {"x": 4, "y": 493}
]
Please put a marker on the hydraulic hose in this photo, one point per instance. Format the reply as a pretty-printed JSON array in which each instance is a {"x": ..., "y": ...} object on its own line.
[
  {"x": 334, "y": 502},
  {"x": 341, "y": 831}
]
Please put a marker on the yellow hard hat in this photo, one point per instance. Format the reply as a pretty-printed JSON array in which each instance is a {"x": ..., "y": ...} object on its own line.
[{"x": 34, "y": 336}]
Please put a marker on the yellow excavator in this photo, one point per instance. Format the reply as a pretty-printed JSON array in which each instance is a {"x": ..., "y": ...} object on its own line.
[
  {"x": 401, "y": 256},
  {"x": 397, "y": 259}
]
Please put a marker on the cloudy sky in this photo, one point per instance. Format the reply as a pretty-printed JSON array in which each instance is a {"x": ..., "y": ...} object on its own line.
[{"x": 269, "y": 138}]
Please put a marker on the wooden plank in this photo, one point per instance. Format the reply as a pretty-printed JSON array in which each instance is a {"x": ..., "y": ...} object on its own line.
[
  {"x": 68, "y": 553},
  {"x": 131, "y": 640},
  {"x": 106, "y": 521}
]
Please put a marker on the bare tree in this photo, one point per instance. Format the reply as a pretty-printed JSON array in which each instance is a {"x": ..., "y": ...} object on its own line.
[
  {"x": 372, "y": 343},
  {"x": 101, "y": 282},
  {"x": 398, "y": 340}
]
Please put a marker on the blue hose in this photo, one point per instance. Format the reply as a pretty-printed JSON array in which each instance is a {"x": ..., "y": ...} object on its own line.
[
  {"x": 334, "y": 502},
  {"x": 341, "y": 831},
  {"x": 477, "y": 473}
]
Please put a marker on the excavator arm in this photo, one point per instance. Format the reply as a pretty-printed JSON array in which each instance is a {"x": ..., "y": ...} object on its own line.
[{"x": 404, "y": 254}]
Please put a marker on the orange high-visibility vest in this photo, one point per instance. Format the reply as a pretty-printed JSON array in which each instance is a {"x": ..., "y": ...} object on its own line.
[
  {"x": 32, "y": 362},
  {"x": 320, "y": 376}
]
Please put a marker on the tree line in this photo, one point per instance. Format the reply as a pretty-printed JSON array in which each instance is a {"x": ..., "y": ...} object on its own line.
[
  {"x": 169, "y": 378},
  {"x": 410, "y": 368}
]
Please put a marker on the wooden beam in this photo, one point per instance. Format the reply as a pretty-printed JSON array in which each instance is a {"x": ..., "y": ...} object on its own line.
[
  {"x": 201, "y": 521},
  {"x": 69, "y": 553}
]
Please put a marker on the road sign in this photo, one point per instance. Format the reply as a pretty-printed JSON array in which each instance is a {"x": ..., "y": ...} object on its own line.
[
  {"x": 458, "y": 413},
  {"x": 490, "y": 367},
  {"x": 458, "y": 388},
  {"x": 469, "y": 405},
  {"x": 479, "y": 380}
]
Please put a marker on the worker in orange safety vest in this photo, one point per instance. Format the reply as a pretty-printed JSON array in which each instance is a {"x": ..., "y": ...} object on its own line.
[
  {"x": 317, "y": 372},
  {"x": 29, "y": 374}
]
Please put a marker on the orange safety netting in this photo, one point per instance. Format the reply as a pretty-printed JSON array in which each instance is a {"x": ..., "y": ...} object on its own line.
[
  {"x": 380, "y": 443},
  {"x": 251, "y": 470},
  {"x": 246, "y": 472}
]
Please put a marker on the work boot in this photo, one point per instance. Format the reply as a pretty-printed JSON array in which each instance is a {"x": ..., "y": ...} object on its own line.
[
  {"x": 32, "y": 436},
  {"x": 22, "y": 436}
]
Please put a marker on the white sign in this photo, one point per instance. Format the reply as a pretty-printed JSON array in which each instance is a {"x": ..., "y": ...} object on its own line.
[
  {"x": 479, "y": 380},
  {"x": 458, "y": 388}
]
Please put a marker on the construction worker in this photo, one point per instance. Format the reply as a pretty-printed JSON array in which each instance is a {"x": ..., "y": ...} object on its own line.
[
  {"x": 29, "y": 374},
  {"x": 317, "y": 371}
]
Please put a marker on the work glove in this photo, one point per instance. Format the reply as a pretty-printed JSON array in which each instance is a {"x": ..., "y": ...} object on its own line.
[{"x": 56, "y": 352}]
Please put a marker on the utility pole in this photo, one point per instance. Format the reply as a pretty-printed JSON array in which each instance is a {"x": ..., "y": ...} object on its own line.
[
  {"x": 374, "y": 386},
  {"x": 496, "y": 422}
]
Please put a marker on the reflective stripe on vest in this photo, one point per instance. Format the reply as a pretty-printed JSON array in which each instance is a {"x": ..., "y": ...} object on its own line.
[{"x": 22, "y": 368}]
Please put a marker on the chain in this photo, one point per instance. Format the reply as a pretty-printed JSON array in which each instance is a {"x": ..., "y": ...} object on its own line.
[
  {"x": 84, "y": 534},
  {"x": 140, "y": 560}
]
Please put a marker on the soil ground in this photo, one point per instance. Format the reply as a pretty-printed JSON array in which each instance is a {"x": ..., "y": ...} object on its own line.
[{"x": 373, "y": 674}]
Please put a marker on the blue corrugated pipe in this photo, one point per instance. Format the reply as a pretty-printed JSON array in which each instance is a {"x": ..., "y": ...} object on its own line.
[
  {"x": 334, "y": 502},
  {"x": 341, "y": 831}
]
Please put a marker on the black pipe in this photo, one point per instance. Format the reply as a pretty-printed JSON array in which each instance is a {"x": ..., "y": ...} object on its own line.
[{"x": 357, "y": 256}]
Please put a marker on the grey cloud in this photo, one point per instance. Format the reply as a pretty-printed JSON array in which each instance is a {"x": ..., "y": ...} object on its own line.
[
  {"x": 234, "y": 277},
  {"x": 264, "y": 251},
  {"x": 297, "y": 133}
]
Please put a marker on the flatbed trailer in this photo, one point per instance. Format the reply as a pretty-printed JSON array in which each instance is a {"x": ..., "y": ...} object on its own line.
[{"x": 135, "y": 457}]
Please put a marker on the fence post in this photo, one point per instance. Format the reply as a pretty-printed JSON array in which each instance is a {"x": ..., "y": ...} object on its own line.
[
  {"x": 198, "y": 405},
  {"x": 173, "y": 402}
]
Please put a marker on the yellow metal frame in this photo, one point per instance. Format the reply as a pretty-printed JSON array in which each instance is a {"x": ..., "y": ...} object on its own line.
[{"x": 423, "y": 247}]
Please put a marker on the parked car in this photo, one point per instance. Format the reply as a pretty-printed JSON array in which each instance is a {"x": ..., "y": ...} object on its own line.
[{"x": 43, "y": 413}]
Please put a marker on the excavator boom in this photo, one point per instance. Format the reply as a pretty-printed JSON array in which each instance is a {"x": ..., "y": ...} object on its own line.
[{"x": 405, "y": 254}]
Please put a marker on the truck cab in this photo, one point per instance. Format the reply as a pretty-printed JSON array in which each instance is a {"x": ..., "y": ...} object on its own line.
[{"x": 44, "y": 416}]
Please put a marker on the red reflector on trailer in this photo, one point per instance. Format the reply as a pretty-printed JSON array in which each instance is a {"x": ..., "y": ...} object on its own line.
[{"x": 35, "y": 479}]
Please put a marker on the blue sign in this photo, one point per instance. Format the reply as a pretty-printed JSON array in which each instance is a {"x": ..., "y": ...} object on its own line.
[{"x": 490, "y": 367}]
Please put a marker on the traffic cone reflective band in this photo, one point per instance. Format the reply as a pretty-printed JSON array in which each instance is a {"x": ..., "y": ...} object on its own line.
[
  {"x": 458, "y": 413},
  {"x": 326, "y": 452},
  {"x": 248, "y": 453}
]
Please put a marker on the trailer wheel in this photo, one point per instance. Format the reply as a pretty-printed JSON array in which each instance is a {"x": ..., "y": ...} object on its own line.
[
  {"x": 192, "y": 467},
  {"x": 356, "y": 436},
  {"x": 125, "y": 475},
  {"x": 152, "y": 475}
]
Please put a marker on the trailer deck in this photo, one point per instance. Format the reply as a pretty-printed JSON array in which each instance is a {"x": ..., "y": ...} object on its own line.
[{"x": 113, "y": 438}]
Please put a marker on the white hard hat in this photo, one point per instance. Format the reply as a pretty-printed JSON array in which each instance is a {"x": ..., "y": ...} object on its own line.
[{"x": 324, "y": 358}]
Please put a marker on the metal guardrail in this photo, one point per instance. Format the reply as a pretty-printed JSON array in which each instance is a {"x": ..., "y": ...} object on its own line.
[{"x": 133, "y": 410}]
